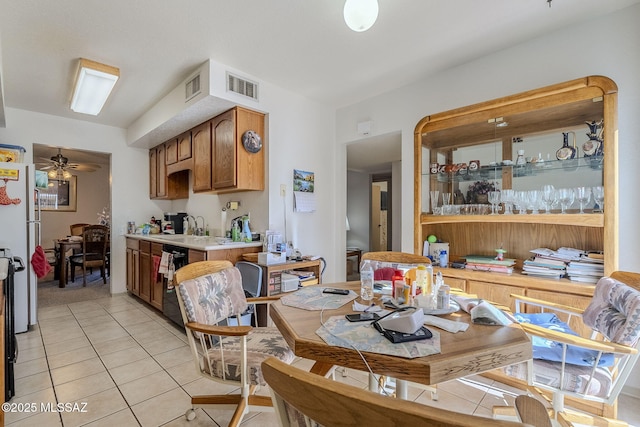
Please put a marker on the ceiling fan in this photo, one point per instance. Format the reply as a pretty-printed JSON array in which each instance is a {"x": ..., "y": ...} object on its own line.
[{"x": 59, "y": 166}]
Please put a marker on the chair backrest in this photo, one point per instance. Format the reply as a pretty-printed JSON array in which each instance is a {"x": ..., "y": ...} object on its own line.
[
  {"x": 76, "y": 229},
  {"x": 297, "y": 393},
  {"x": 251, "y": 277},
  {"x": 209, "y": 292},
  {"x": 94, "y": 240}
]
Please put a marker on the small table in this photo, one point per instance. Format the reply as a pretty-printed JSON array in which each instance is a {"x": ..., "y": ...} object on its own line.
[
  {"x": 356, "y": 253},
  {"x": 481, "y": 348}
]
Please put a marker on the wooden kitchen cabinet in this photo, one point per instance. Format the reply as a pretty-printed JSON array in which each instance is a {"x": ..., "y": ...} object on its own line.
[
  {"x": 493, "y": 292},
  {"x": 234, "y": 168},
  {"x": 161, "y": 185},
  {"x": 201, "y": 143},
  {"x": 178, "y": 149},
  {"x": 145, "y": 271},
  {"x": 231, "y": 254},
  {"x": 133, "y": 266}
]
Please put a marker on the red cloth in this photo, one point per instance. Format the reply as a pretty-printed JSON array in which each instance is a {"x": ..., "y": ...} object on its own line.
[
  {"x": 384, "y": 273},
  {"x": 156, "y": 266},
  {"x": 39, "y": 262}
]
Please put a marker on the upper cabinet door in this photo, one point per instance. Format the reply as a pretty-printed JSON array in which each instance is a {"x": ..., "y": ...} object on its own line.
[
  {"x": 201, "y": 143},
  {"x": 184, "y": 146},
  {"x": 171, "y": 149},
  {"x": 223, "y": 132}
]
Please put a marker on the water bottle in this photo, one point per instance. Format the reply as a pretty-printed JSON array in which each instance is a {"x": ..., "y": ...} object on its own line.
[
  {"x": 366, "y": 281},
  {"x": 444, "y": 258}
]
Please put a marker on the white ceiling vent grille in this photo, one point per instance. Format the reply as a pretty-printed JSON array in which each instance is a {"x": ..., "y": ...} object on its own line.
[
  {"x": 242, "y": 86},
  {"x": 192, "y": 88}
]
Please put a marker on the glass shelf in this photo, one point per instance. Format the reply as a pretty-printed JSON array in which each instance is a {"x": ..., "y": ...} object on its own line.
[
  {"x": 572, "y": 219},
  {"x": 530, "y": 169}
]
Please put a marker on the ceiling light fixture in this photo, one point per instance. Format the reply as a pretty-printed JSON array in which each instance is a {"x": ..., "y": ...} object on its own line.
[
  {"x": 360, "y": 15},
  {"x": 94, "y": 82},
  {"x": 60, "y": 174}
]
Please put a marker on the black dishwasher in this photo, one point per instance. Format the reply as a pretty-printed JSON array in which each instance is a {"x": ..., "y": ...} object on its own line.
[{"x": 170, "y": 306}]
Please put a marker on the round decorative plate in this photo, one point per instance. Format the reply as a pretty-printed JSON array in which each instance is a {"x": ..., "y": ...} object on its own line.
[{"x": 252, "y": 141}]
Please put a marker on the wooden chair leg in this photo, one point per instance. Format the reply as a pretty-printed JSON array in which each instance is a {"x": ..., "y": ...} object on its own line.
[{"x": 84, "y": 275}]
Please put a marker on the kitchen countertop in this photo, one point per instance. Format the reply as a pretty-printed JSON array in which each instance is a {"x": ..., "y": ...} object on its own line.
[{"x": 203, "y": 243}]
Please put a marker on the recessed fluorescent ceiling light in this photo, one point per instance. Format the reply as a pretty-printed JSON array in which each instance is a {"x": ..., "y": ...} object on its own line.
[{"x": 94, "y": 82}]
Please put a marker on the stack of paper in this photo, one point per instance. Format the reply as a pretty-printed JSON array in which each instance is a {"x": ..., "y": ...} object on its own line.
[
  {"x": 488, "y": 263},
  {"x": 544, "y": 267},
  {"x": 588, "y": 269}
]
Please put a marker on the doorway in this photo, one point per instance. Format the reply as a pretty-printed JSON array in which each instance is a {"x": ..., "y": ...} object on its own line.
[{"x": 381, "y": 211}]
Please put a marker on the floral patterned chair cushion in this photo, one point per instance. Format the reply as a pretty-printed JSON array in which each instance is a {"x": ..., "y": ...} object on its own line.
[
  {"x": 615, "y": 312},
  {"x": 214, "y": 297}
]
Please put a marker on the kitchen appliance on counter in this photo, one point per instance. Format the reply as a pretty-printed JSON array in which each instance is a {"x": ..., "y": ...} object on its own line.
[
  {"x": 177, "y": 220},
  {"x": 170, "y": 306},
  {"x": 21, "y": 234}
]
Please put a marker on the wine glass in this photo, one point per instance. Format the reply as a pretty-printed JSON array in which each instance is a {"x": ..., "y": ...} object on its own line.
[
  {"x": 548, "y": 197},
  {"x": 507, "y": 199},
  {"x": 583, "y": 195},
  {"x": 520, "y": 202},
  {"x": 566, "y": 196},
  {"x": 598, "y": 197},
  {"x": 533, "y": 197},
  {"x": 494, "y": 199},
  {"x": 434, "y": 200}
]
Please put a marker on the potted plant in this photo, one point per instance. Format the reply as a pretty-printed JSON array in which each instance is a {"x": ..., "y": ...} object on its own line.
[{"x": 479, "y": 191}]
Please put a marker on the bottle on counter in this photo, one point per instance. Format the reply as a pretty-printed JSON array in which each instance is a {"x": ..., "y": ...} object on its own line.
[
  {"x": 235, "y": 232},
  {"x": 444, "y": 258},
  {"x": 366, "y": 281}
]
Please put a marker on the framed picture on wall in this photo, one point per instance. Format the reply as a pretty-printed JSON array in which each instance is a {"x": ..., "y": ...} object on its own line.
[{"x": 60, "y": 195}]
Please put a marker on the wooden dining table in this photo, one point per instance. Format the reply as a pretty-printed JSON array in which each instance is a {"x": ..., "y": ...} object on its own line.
[
  {"x": 480, "y": 348},
  {"x": 64, "y": 246}
]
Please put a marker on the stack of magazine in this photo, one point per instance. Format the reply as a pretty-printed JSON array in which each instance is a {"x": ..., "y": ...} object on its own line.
[
  {"x": 549, "y": 263},
  {"x": 588, "y": 269},
  {"x": 488, "y": 263}
]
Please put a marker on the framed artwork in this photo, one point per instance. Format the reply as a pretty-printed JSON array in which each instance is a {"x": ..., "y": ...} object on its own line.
[{"x": 60, "y": 195}]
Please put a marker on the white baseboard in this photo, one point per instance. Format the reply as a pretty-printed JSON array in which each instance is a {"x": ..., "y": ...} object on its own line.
[{"x": 631, "y": 391}]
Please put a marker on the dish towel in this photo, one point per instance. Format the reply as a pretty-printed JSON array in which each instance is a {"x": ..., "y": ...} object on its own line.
[
  {"x": 156, "y": 266},
  {"x": 446, "y": 324},
  {"x": 166, "y": 259},
  {"x": 39, "y": 262}
]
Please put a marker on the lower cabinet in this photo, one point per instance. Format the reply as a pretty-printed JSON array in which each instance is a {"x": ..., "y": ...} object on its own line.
[
  {"x": 142, "y": 280},
  {"x": 499, "y": 294}
]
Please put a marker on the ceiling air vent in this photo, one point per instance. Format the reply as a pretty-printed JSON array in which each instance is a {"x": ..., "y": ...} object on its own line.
[
  {"x": 192, "y": 88},
  {"x": 242, "y": 86}
]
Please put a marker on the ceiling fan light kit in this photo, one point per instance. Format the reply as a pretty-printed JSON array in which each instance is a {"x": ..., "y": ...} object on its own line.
[
  {"x": 93, "y": 85},
  {"x": 360, "y": 15}
]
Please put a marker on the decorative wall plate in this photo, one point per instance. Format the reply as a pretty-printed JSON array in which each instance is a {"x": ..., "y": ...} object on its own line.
[{"x": 252, "y": 141}]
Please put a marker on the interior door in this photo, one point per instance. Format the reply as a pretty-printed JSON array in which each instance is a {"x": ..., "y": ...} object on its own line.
[{"x": 375, "y": 223}]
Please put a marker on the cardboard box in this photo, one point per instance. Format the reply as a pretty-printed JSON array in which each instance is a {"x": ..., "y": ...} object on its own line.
[{"x": 270, "y": 258}]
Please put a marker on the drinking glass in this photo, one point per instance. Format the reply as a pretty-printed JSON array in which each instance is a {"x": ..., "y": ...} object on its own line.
[
  {"x": 494, "y": 199},
  {"x": 519, "y": 201},
  {"x": 566, "y": 196},
  {"x": 548, "y": 197},
  {"x": 533, "y": 197},
  {"x": 583, "y": 195},
  {"x": 434, "y": 200},
  {"x": 598, "y": 197},
  {"x": 507, "y": 199},
  {"x": 446, "y": 201}
]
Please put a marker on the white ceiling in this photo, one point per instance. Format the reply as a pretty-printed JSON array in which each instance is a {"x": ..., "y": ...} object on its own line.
[{"x": 300, "y": 45}]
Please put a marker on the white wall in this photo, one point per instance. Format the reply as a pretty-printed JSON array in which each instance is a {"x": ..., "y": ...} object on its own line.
[
  {"x": 129, "y": 168},
  {"x": 358, "y": 209},
  {"x": 607, "y": 46}
]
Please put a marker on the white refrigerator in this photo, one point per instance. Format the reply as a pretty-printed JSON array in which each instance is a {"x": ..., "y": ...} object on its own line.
[{"x": 20, "y": 225}]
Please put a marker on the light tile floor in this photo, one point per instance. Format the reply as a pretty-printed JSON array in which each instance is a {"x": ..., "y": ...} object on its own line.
[{"x": 132, "y": 367}]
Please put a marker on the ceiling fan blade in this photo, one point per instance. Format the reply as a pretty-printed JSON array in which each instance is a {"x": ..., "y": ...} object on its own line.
[
  {"x": 43, "y": 166},
  {"x": 83, "y": 167}
]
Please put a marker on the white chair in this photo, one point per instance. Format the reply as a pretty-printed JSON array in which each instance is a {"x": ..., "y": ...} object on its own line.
[
  {"x": 210, "y": 292},
  {"x": 598, "y": 374}
]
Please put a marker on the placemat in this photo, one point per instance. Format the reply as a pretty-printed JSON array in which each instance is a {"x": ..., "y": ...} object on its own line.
[
  {"x": 312, "y": 298},
  {"x": 340, "y": 332}
]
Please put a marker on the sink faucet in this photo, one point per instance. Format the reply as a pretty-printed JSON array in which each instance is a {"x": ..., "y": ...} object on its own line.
[
  {"x": 189, "y": 230},
  {"x": 199, "y": 230}
]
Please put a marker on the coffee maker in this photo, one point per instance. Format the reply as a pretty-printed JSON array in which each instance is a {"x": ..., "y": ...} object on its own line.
[{"x": 177, "y": 220}]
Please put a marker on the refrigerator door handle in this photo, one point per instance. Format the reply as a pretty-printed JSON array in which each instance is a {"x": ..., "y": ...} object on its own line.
[{"x": 20, "y": 263}]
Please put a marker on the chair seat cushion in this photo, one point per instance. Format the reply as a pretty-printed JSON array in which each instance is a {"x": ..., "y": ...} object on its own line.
[
  {"x": 576, "y": 377},
  {"x": 261, "y": 344},
  {"x": 546, "y": 349}
]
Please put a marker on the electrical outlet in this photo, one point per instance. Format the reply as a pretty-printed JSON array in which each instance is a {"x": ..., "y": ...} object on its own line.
[{"x": 283, "y": 190}]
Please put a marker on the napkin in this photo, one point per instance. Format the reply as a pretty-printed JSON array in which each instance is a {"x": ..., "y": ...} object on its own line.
[
  {"x": 446, "y": 324},
  {"x": 369, "y": 308}
]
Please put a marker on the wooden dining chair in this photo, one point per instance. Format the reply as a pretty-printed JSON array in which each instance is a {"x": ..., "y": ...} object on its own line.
[
  {"x": 587, "y": 370},
  {"x": 210, "y": 292},
  {"x": 301, "y": 398},
  {"x": 95, "y": 240},
  {"x": 76, "y": 229},
  {"x": 391, "y": 259}
]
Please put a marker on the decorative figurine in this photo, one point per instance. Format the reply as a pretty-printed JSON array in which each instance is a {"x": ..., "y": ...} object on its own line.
[{"x": 501, "y": 252}]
